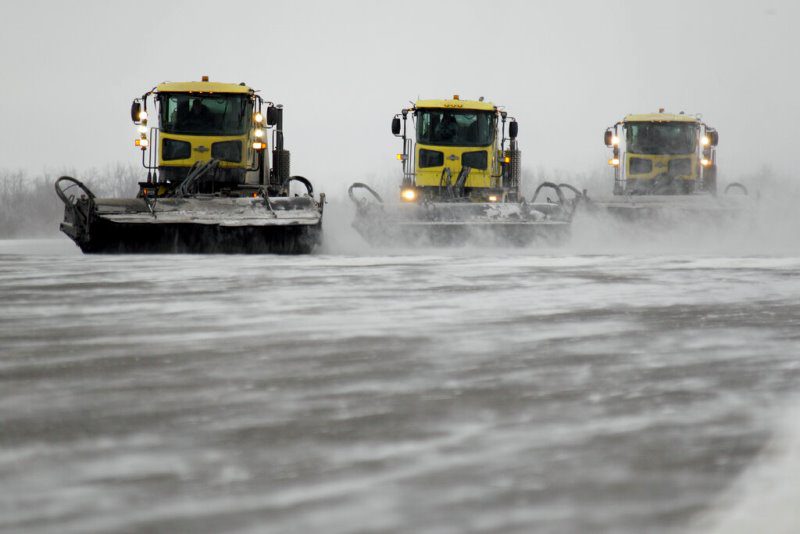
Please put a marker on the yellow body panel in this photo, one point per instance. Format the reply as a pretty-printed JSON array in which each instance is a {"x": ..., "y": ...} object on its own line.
[
  {"x": 202, "y": 87},
  {"x": 478, "y": 178},
  {"x": 431, "y": 176},
  {"x": 660, "y": 117},
  {"x": 660, "y": 165},
  {"x": 201, "y": 149},
  {"x": 201, "y": 144},
  {"x": 455, "y": 104}
]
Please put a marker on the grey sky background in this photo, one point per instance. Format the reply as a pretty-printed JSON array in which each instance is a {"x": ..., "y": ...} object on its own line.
[{"x": 565, "y": 69}]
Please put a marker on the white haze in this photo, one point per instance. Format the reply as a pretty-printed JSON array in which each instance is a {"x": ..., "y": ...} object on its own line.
[{"x": 565, "y": 70}]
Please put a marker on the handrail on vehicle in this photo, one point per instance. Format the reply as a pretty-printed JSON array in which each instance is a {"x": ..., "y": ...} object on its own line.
[
  {"x": 359, "y": 185},
  {"x": 75, "y": 183},
  {"x": 737, "y": 186},
  {"x": 303, "y": 180}
]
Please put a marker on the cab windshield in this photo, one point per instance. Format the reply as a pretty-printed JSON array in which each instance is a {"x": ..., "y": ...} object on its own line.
[
  {"x": 661, "y": 138},
  {"x": 204, "y": 114},
  {"x": 448, "y": 127}
]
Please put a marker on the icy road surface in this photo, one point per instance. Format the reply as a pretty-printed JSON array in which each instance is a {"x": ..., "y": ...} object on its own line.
[{"x": 427, "y": 391}]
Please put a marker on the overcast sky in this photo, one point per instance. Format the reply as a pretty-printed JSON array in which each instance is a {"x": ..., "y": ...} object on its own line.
[{"x": 565, "y": 69}]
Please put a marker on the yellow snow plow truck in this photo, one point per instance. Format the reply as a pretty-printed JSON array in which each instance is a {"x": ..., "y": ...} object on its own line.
[
  {"x": 461, "y": 180},
  {"x": 663, "y": 154},
  {"x": 209, "y": 187},
  {"x": 663, "y": 162}
]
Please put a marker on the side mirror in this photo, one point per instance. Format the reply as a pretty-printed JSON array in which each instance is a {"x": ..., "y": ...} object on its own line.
[
  {"x": 136, "y": 109},
  {"x": 272, "y": 116},
  {"x": 608, "y": 138},
  {"x": 396, "y": 126},
  {"x": 714, "y": 137},
  {"x": 513, "y": 129}
]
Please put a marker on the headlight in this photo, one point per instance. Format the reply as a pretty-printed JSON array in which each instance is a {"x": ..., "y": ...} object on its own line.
[{"x": 409, "y": 195}]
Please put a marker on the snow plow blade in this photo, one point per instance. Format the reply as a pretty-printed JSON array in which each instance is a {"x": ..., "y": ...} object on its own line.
[
  {"x": 460, "y": 222},
  {"x": 197, "y": 224},
  {"x": 655, "y": 207}
]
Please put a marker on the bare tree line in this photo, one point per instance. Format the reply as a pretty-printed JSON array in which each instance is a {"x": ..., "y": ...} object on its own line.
[{"x": 29, "y": 206}]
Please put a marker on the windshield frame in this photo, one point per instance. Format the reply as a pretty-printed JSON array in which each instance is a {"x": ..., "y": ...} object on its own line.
[
  {"x": 674, "y": 146},
  {"x": 169, "y": 104},
  {"x": 456, "y": 139}
]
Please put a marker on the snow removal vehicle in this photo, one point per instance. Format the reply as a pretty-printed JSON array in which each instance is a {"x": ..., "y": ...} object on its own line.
[
  {"x": 665, "y": 163},
  {"x": 210, "y": 187},
  {"x": 461, "y": 182}
]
